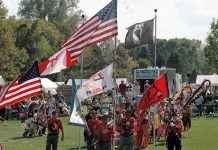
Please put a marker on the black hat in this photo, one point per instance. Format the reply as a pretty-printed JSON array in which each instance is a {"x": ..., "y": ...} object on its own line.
[
  {"x": 95, "y": 113},
  {"x": 174, "y": 114},
  {"x": 54, "y": 112},
  {"x": 104, "y": 117},
  {"x": 128, "y": 111}
]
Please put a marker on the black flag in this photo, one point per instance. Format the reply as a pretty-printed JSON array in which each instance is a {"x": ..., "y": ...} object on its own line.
[{"x": 140, "y": 33}]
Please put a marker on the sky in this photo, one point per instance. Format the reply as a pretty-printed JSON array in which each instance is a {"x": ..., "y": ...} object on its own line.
[{"x": 175, "y": 18}]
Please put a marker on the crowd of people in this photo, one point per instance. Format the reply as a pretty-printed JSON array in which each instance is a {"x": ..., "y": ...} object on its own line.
[
  {"x": 111, "y": 115},
  {"x": 33, "y": 112},
  {"x": 167, "y": 118}
]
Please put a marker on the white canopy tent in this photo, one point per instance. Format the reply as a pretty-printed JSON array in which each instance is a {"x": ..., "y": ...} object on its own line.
[
  {"x": 213, "y": 79},
  {"x": 49, "y": 85}
]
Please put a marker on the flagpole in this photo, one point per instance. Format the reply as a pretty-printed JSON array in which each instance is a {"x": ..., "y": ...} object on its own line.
[
  {"x": 115, "y": 58},
  {"x": 155, "y": 39},
  {"x": 81, "y": 81},
  {"x": 155, "y": 69}
]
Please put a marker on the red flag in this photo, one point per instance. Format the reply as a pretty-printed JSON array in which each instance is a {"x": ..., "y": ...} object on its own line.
[
  {"x": 100, "y": 27},
  {"x": 154, "y": 94},
  {"x": 25, "y": 86}
]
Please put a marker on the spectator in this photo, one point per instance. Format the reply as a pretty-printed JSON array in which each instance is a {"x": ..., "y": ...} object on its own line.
[
  {"x": 146, "y": 85},
  {"x": 129, "y": 93},
  {"x": 198, "y": 102},
  {"x": 60, "y": 97},
  {"x": 136, "y": 88},
  {"x": 122, "y": 88}
]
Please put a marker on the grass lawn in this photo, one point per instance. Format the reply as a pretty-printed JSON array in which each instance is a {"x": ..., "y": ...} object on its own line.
[{"x": 203, "y": 136}]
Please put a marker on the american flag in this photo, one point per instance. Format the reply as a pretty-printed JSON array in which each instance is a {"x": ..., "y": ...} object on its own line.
[
  {"x": 25, "y": 86},
  {"x": 100, "y": 27}
]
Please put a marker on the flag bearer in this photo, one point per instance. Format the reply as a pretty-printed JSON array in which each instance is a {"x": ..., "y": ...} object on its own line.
[
  {"x": 127, "y": 125},
  {"x": 174, "y": 133},
  {"x": 105, "y": 131}
]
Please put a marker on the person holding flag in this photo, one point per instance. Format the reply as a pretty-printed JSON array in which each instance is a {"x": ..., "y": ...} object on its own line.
[
  {"x": 174, "y": 133},
  {"x": 105, "y": 130},
  {"x": 127, "y": 124},
  {"x": 92, "y": 136}
]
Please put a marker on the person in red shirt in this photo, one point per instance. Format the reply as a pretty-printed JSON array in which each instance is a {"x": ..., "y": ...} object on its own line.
[
  {"x": 105, "y": 131},
  {"x": 54, "y": 125},
  {"x": 92, "y": 126},
  {"x": 127, "y": 125},
  {"x": 122, "y": 88}
]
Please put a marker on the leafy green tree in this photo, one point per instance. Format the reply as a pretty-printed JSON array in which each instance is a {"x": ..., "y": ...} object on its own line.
[
  {"x": 143, "y": 63},
  {"x": 42, "y": 39},
  {"x": 50, "y": 10},
  {"x": 161, "y": 61},
  {"x": 211, "y": 49},
  {"x": 12, "y": 58},
  {"x": 3, "y": 10},
  {"x": 124, "y": 63}
]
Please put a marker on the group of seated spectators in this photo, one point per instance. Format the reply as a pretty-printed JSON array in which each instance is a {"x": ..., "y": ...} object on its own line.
[{"x": 33, "y": 112}]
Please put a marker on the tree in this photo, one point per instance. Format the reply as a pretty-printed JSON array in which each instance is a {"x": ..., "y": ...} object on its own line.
[
  {"x": 51, "y": 10},
  {"x": 143, "y": 63},
  {"x": 124, "y": 63},
  {"x": 12, "y": 58},
  {"x": 3, "y": 10},
  {"x": 41, "y": 39},
  {"x": 160, "y": 60},
  {"x": 211, "y": 48}
]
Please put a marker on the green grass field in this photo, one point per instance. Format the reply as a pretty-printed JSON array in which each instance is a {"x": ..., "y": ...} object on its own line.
[{"x": 203, "y": 136}]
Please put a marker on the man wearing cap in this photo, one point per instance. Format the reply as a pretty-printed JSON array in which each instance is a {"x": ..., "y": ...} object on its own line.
[
  {"x": 92, "y": 126},
  {"x": 106, "y": 131},
  {"x": 174, "y": 133},
  {"x": 54, "y": 125},
  {"x": 136, "y": 88},
  {"x": 146, "y": 85},
  {"x": 127, "y": 125}
]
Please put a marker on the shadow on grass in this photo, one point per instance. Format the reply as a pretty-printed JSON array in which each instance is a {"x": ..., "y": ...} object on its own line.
[
  {"x": 21, "y": 137},
  {"x": 75, "y": 148}
]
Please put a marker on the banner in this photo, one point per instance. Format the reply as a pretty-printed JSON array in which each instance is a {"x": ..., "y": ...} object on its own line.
[
  {"x": 76, "y": 118},
  {"x": 97, "y": 84}
]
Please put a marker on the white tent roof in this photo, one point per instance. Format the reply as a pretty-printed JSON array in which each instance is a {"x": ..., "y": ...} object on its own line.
[
  {"x": 213, "y": 79},
  {"x": 77, "y": 81},
  {"x": 2, "y": 81},
  {"x": 48, "y": 84}
]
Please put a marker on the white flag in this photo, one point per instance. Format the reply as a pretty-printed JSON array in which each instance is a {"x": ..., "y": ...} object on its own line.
[
  {"x": 76, "y": 118},
  {"x": 97, "y": 84}
]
